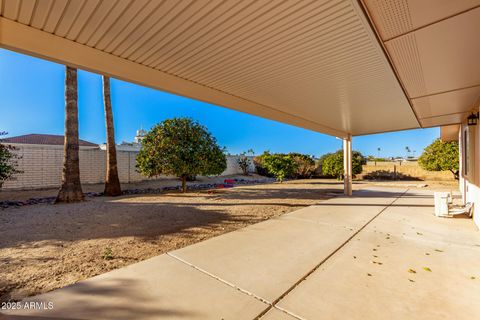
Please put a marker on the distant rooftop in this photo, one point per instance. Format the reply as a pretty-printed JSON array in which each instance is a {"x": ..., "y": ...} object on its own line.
[{"x": 46, "y": 139}]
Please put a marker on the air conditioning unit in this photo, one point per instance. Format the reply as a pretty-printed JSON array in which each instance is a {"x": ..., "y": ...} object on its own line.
[
  {"x": 444, "y": 206},
  {"x": 442, "y": 200}
]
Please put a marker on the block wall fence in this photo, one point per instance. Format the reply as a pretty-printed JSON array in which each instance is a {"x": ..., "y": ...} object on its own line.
[{"x": 42, "y": 167}]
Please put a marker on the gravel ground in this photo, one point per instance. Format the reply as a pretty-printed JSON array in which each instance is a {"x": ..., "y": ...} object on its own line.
[{"x": 45, "y": 246}]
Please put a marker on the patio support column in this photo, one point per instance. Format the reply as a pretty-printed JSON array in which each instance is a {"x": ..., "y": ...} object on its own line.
[{"x": 347, "y": 165}]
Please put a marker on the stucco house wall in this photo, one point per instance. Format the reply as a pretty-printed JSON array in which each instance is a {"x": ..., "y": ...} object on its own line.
[{"x": 469, "y": 141}]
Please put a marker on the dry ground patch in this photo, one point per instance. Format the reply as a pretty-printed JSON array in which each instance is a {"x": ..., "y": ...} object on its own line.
[
  {"x": 43, "y": 247},
  {"x": 409, "y": 170}
]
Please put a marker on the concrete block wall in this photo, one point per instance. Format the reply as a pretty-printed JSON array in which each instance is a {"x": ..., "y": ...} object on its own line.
[
  {"x": 42, "y": 166},
  {"x": 232, "y": 166}
]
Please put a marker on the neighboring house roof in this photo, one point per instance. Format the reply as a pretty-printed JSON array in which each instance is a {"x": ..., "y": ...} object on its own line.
[{"x": 46, "y": 139}]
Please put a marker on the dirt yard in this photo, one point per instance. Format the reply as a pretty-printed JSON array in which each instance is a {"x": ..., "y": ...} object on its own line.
[
  {"x": 407, "y": 170},
  {"x": 43, "y": 247}
]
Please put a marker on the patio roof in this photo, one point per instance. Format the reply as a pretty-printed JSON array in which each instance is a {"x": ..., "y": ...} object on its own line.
[
  {"x": 434, "y": 46},
  {"x": 321, "y": 65}
]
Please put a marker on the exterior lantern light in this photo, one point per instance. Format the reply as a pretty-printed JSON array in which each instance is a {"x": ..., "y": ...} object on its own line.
[{"x": 472, "y": 119}]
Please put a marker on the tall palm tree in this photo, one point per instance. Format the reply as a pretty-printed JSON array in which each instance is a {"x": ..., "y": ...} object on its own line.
[
  {"x": 407, "y": 148},
  {"x": 71, "y": 188},
  {"x": 112, "y": 183}
]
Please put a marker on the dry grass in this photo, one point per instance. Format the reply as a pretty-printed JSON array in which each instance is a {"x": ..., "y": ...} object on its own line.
[{"x": 408, "y": 169}]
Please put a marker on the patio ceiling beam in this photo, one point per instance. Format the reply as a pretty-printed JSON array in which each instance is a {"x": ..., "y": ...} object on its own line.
[{"x": 24, "y": 39}]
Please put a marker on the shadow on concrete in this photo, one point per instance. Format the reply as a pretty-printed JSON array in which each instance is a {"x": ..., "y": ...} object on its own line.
[
  {"x": 120, "y": 299},
  {"x": 246, "y": 193},
  {"x": 372, "y": 193}
]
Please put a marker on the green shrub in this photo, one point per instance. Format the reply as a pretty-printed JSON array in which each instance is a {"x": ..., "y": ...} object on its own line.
[
  {"x": 258, "y": 161},
  {"x": 305, "y": 166},
  {"x": 332, "y": 163},
  {"x": 180, "y": 147},
  {"x": 8, "y": 162},
  {"x": 279, "y": 165}
]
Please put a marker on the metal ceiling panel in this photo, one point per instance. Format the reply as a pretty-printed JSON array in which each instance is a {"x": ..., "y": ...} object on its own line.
[
  {"x": 434, "y": 47},
  {"x": 316, "y": 64}
]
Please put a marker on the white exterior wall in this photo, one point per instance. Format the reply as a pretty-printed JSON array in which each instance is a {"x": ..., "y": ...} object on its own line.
[
  {"x": 470, "y": 183},
  {"x": 42, "y": 166}
]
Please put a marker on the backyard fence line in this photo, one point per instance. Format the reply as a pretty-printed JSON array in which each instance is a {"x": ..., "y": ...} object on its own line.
[
  {"x": 41, "y": 167},
  {"x": 405, "y": 170}
]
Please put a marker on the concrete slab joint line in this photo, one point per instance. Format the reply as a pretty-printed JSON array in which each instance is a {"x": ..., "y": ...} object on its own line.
[
  {"x": 289, "y": 313},
  {"x": 220, "y": 279},
  {"x": 283, "y": 295}
]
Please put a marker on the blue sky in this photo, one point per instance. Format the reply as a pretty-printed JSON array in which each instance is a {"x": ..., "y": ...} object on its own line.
[{"x": 32, "y": 101}]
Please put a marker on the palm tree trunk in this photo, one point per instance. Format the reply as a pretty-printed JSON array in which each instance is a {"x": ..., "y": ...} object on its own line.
[
  {"x": 112, "y": 183},
  {"x": 71, "y": 188}
]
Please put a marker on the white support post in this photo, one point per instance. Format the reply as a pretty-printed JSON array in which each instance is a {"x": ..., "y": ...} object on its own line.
[{"x": 347, "y": 165}]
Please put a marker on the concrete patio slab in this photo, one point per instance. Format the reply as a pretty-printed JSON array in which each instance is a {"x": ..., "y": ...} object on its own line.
[
  {"x": 275, "y": 314},
  {"x": 267, "y": 258},
  {"x": 383, "y": 273},
  {"x": 412, "y": 217},
  {"x": 158, "y": 288},
  {"x": 380, "y": 254},
  {"x": 278, "y": 252},
  {"x": 336, "y": 215}
]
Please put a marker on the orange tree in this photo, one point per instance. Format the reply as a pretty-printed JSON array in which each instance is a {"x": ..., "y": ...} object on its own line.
[
  {"x": 180, "y": 147},
  {"x": 441, "y": 156}
]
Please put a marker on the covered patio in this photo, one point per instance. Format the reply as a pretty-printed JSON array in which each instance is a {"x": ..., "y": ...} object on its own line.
[
  {"x": 378, "y": 254},
  {"x": 340, "y": 67}
]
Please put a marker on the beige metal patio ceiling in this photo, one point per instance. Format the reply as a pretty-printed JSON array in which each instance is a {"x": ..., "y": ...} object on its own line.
[
  {"x": 314, "y": 64},
  {"x": 435, "y": 48}
]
